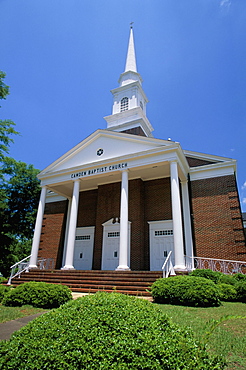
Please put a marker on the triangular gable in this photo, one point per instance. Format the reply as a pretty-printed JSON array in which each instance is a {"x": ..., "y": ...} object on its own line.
[
  {"x": 196, "y": 159},
  {"x": 104, "y": 145}
]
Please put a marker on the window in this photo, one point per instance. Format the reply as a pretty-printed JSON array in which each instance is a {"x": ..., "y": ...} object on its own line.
[
  {"x": 82, "y": 237},
  {"x": 114, "y": 234},
  {"x": 163, "y": 232},
  {"x": 124, "y": 104}
]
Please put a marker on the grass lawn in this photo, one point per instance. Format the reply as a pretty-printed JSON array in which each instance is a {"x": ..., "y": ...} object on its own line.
[
  {"x": 12, "y": 313},
  {"x": 228, "y": 339}
]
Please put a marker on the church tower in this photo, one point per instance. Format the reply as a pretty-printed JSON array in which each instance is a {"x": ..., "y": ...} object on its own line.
[{"x": 129, "y": 100}]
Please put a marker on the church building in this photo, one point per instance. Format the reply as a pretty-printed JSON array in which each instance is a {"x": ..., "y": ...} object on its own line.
[{"x": 122, "y": 199}]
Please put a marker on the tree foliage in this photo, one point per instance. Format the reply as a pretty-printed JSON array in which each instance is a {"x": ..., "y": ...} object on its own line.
[{"x": 19, "y": 194}]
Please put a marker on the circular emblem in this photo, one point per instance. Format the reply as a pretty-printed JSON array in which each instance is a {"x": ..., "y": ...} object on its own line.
[{"x": 100, "y": 152}]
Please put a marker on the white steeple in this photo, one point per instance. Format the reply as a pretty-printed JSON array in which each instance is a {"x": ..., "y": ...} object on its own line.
[
  {"x": 129, "y": 107},
  {"x": 130, "y": 74},
  {"x": 131, "y": 64}
]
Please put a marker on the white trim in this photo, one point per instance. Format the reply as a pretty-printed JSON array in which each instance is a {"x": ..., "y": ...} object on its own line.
[
  {"x": 54, "y": 198},
  {"x": 213, "y": 170}
]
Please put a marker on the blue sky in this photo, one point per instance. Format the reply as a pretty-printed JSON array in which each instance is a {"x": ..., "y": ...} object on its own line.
[{"x": 62, "y": 58}]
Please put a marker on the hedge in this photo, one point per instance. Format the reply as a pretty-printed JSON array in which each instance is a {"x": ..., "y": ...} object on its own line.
[
  {"x": 227, "y": 292},
  {"x": 3, "y": 291},
  {"x": 105, "y": 331},
  {"x": 186, "y": 291},
  {"x": 38, "y": 294}
]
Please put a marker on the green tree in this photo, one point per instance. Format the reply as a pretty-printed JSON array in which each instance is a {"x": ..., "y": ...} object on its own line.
[{"x": 19, "y": 194}]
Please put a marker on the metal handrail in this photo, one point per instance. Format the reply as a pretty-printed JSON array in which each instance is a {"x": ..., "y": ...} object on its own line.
[
  {"x": 216, "y": 264},
  {"x": 170, "y": 269},
  {"x": 21, "y": 267}
]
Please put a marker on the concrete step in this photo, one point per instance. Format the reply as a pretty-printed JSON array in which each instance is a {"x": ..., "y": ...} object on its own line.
[{"x": 127, "y": 282}]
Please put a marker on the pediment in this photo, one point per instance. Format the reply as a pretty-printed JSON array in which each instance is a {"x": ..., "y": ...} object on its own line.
[{"x": 103, "y": 145}]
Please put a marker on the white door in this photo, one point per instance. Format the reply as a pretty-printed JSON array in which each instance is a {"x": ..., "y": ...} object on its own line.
[
  {"x": 161, "y": 243},
  {"x": 111, "y": 256},
  {"x": 83, "y": 249},
  {"x": 111, "y": 244}
]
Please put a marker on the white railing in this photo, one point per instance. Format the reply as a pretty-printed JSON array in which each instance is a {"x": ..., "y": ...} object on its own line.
[
  {"x": 167, "y": 267},
  {"x": 23, "y": 266},
  {"x": 214, "y": 264}
]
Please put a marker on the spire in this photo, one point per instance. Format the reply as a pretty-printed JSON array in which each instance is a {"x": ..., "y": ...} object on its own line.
[
  {"x": 130, "y": 74},
  {"x": 131, "y": 59}
]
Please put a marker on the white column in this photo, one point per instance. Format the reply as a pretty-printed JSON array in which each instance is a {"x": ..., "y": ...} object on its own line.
[
  {"x": 38, "y": 229},
  {"x": 66, "y": 232},
  {"x": 72, "y": 227},
  {"x": 177, "y": 219},
  {"x": 123, "y": 252},
  {"x": 187, "y": 223}
]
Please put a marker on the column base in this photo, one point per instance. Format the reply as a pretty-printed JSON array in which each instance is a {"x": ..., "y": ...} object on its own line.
[
  {"x": 123, "y": 268},
  {"x": 32, "y": 267},
  {"x": 180, "y": 268},
  {"x": 68, "y": 267}
]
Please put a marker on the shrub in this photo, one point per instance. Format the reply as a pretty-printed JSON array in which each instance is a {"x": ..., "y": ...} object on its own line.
[
  {"x": 208, "y": 274},
  {"x": 227, "y": 279},
  {"x": 104, "y": 331},
  {"x": 227, "y": 292},
  {"x": 186, "y": 290},
  {"x": 241, "y": 291},
  {"x": 3, "y": 291},
  {"x": 239, "y": 277},
  {"x": 41, "y": 294}
]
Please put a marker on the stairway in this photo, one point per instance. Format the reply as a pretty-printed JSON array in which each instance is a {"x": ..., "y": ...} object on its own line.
[{"x": 126, "y": 282}]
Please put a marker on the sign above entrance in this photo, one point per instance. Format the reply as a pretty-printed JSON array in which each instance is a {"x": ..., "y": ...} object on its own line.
[{"x": 95, "y": 171}]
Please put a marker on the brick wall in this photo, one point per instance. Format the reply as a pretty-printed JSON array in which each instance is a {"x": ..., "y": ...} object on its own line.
[
  {"x": 217, "y": 219},
  {"x": 136, "y": 216},
  {"x": 108, "y": 206},
  {"x": 157, "y": 200},
  {"x": 53, "y": 232}
]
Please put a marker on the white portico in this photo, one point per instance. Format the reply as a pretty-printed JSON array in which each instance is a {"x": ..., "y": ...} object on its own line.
[{"x": 124, "y": 158}]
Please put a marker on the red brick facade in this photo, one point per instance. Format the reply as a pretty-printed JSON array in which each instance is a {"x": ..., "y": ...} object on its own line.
[
  {"x": 217, "y": 219},
  {"x": 53, "y": 232},
  {"x": 217, "y": 223}
]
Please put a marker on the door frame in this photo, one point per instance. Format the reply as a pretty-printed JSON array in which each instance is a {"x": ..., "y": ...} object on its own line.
[
  {"x": 113, "y": 225},
  {"x": 155, "y": 226},
  {"x": 85, "y": 231}
]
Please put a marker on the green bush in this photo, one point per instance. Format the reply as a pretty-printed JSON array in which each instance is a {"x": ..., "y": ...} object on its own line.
[
  {"x": 227, "y": 279},
  {"x": 41, "y": 294},
  {"x": 239, "y": 277},
  {"x": 3, "y": 291},
  {"x": 104, "y": 331},
  {"x": 227, "y": 292},
  {"x": 241, "y": 291},
  {"x": 208, "y": 274},
  {"x": 186, "y": 291}
]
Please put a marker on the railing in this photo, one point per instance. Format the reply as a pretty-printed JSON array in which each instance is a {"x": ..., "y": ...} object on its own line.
[
  {"x": 167, "y": 267},
  {"x": 23, "y": 265},
  {"x": 214, "y": 264}
]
